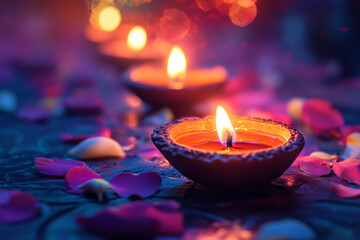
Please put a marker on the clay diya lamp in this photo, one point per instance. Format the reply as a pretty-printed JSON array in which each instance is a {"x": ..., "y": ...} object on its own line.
[
  {"x": 134, "y": 49},
  {"x": 240, "y": 155},
  {"x": 175, "y": 86}
]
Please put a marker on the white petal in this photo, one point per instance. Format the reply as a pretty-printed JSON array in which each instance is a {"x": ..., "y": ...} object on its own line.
[{"x": 97, "y": 147}]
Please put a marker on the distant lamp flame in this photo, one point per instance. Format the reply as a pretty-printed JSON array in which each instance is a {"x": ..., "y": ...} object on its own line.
[
  {"x": 109, "y": 18},
  {"x": 136, "y": 40},
  {"x": 176, "y": 67},
  {"x": 224, "y": 128}
]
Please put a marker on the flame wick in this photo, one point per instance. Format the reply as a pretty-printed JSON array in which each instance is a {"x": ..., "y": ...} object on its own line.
[{"x": 229, "y": 140}]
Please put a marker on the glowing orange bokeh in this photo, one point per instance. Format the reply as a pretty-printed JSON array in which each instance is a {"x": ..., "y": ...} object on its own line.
[{"x": 137, "y": 37}]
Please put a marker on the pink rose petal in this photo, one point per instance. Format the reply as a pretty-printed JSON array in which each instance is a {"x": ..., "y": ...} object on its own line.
[
  {"x": 16, "y": 206},
  {"x": 55, "y": 166},
  {"x": 84, "y": 103},
  {"x": 319, "y": 115},
  {"x": 73, "y": 138},
  {"x": 314, "y": 166},
  {"x": 77, "y": 176},
  {"x": 345, "y": 191},
  {"x": 33, "y": 113},
  {"x": 138, "y": 220},
  {"x": 127, "y": 184},
  {"x": 110, "y": 224},
  {"x": 348, "y": 170}
]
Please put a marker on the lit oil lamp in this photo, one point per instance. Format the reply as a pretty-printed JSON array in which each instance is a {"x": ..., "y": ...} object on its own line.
[
  {"x": 175, "y": 86},
  {"x": 240, "y": 154},
  {"x": 131, "y": 50},
  {"x": 103, "y": 24}
]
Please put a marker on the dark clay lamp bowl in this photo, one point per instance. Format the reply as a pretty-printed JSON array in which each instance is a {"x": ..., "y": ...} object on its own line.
[
  {"x": 151, "y": 85},
  {"x": 239, "y": 170}
]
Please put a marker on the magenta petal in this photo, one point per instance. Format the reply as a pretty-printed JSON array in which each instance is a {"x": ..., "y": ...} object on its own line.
[
  {"x": 74, "y": 138},
  {"x": 77, "y": 176},
  {"x": 314, "y": 166},
  {"x": 127, "y": 184},
  {"x": 33, "y": 113},
  {"x": 345, "y": 191},
  {"x": 348, "y": 170},
  {"x": 55, "y": 166},
  {"x": 111, "y": 224},
  {"x": 319, "y": 115},
  {"x": 16, "y": 206}
]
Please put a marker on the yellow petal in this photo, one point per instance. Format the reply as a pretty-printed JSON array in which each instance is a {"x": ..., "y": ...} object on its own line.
[
  {"x": 97, "y": 147},
  {"x": 98, "y": 186},
  {"x": 294, "y": 107},
  {"x": 353, "y": 139},
  {"x": 324, "y": 155}
]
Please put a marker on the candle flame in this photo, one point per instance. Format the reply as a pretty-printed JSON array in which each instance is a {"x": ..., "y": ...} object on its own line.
[
  {"x": 109, "y": 18},
  {"x": 176, "y": 67},
  {"x": 223, "y": 126},
  {"x": 136, "y": 40}
]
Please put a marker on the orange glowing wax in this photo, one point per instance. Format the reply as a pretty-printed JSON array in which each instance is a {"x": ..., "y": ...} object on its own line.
[
  {"x": 240, "y": 141},
  {"x": 176, "y": 75}
]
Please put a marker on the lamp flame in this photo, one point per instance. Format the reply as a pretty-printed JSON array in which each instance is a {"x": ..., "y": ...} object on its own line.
[
  {"x": 223, "y": 126},
  {"x": 176, "y": 67},
  {"x": 109, "y": 18},
  {"x": 136, "y": 40}
]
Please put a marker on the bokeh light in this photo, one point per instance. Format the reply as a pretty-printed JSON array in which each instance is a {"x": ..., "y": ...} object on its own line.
[
  {"x": 109, "y": 18},
  {"x": 137, "y": 38},
  {"x": 174, "y": 24},
  {"x": 243, "y": 12}
]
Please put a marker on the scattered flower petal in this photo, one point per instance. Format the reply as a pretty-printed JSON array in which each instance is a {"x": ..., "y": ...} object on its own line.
[
  {"x": 7, "y": 101},
  {"x": 127, "y": 184},
  {"x": 16, "y": 206},
  {"x": 348, "y": 170},
  {"x": 289, "y": 229},
  {"x": 76, "y": 138},
  {"x": 84, "y": 103},
  {"x": 77, "y": 176},
  {"x": 98, "y": 186},
  {"x": 138, "y": 220},
  {"x": 55, "y": 166},
  {"x": 295, "y": 107},
  {"x": 314, "y": 166},
  {"x": 353, "y": 139},
  {"x": 323, "y": 155},
  {"x": 97, "y": 147},
  {"x": 345, "y": 191},
  {"x": 33, "y": 113},
  {"x": 320, "y": 116},
  {"x": 347, "y": 130}
]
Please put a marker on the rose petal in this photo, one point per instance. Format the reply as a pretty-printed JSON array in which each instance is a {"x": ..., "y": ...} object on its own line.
[
  {"x": 345, "y": 191},
  {"x": 77, "y": 176},
  {"x": 108, "y": 223},
  {"x": 138, "y": 220},
  {"x": 348, "y": 170},
  {"x": 314, "y": 166},
  {"x": 98, "y": 186},
  {"x": 127, "y": 184},
  {"x": 285, "y": 229},
  {"x": 319, "y": 115},
  {"x": 84, "y": 103},
  {"x": 74, "y": 138},
  {"x": 97, "y": 147},
  {"x": 16, "y": 206},
  {"x": 55, "y": 166},
  {"x": 323, "y": 155},
  {"x": 33, "y": 113}
]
